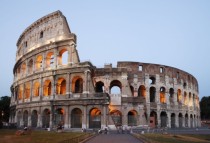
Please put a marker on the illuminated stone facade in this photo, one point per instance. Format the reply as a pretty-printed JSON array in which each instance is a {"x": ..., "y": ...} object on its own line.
[{"x": 52, "y": 86}]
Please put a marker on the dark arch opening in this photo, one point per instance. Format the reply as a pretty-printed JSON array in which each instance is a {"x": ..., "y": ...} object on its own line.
[
  {"x": 76, "y": 118},
  {"x": 99, "y": 87},
  {"x": 152, "y": 92},
  {"x": 95, "y": 118}
]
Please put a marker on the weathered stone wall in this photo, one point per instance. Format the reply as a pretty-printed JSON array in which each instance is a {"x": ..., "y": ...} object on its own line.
[{"x": 51, "y": 89}]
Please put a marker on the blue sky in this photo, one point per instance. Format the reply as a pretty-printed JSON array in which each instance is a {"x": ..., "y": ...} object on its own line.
[{"x": 174, "y": 33}]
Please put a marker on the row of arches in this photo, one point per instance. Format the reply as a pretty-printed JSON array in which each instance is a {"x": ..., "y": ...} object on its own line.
[
  {"x": 183, "y": 120},
  {"x": 76, "y": 116},
  {"x": 116, "y": 88},
  {"x": 178, "y": 120},
  {"x": 48, "y": 60},
  {"x": 25, "y": 91},
  {"x": 188, "y": 99}
]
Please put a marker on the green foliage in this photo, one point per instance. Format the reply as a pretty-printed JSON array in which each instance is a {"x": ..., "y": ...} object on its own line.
[
  {"x": 205, "y": 108},
  {"x": 4, "y": 108}
]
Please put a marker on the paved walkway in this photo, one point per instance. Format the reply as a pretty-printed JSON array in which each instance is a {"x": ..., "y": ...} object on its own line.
[{"x": 114, "y": 138}]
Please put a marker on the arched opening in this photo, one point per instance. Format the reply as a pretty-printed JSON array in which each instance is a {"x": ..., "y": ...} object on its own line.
[
  {"x": 61, "y": 86},
  {"x": 39, "y": 62},
  {"x": 163, "y": 119},
  {"x": 171, "y": 95},
  {"x": 152, "y": 80},
  {"x": 36, "y": 89},
  {"x": 76, "y": 118},
  {"x": 30, "y": 66},
  {"x": 180, "y": 120},
  {"x": 179, "y": 96},
  {"x": 59, "y": 116},
  {"x": 190, "y": 99},
  {"x": 19, "y": 117},
  {"x": 23, "y": 68},
  {"x": 34, "y": 118},
  {"x": 47, "y": 88},
  {"x": 50, "y": 60},
  {"x": 20, "y": 92},
  {"x": 63, "y": 57},
  {"x": 99, "y": 86},
  {"x": 25, "y": 118},
  {"x": 132, "y": 118},
  {"x": 41, "y": 35},
  {"x": 142, "y": 91},
  {"x": 116, "y": 87},
  {"x": 186, "y": 120},
  {"x": 153, "y": 119},
  {"x": 27, "y": 90},
  {"x": 162, "y": 95},
  {"x": 191, "y": 121},
  {"x": 46, "y": 118},
  {"x": 116, "y": 116},
  {"x": 152, "y": 92},
  {"x": 95, "y": 118},
  {"x": 173, "y": 120},
  {"x": 132, "y": 90},
  {"x": 77, "y": 84},
  {"x": 18, "y": 72}
]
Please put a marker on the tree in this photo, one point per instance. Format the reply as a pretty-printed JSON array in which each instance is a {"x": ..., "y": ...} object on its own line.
[
  {"x": 205, "y": 108},
  {"x": 4, "y": 108}
]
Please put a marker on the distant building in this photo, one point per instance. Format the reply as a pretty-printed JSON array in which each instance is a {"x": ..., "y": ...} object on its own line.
[{"x": 51, "y": 86}]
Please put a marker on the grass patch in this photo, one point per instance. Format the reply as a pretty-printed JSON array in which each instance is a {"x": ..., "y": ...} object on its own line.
[
  {"x": 167, "y": 138},
  {"x": 8, "y": 136}
]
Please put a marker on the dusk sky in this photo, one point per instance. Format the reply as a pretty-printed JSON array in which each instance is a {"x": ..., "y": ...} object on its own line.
[{"x": 170, "y": 32}]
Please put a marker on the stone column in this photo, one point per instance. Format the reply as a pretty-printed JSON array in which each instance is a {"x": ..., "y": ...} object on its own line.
[
  {"x": 23, "y": 93},
  {"x": 189, "y": 125},
  {"x": 51, "y": 120},
  {"x": 29, "y": 118},
  {"x": 157, "y": 96},
  {"x": 69, "y": 54},
  {"x": 21, "y": 120},
  {"x": 183, "y": 121},
  {"x": 31, "y": 91},
  {"x": 54, "y": 86},
  {"x": 66, "y": 121},
  {"x": 55, "y": 57},
  {"x": 104, "y": 120},
  {"x": 167, "y": 98},
  {"x": 176, "y": 120},
  {"x": 148, "y": 115},
  {"x": 70, "y": 84},
  {"x": 41, "y": 88},
  {"x": 85, "y": 86},
  {"x": 70, "y": 110},
  {"x": 169, "y": 120},
  {"x": 67, "y": 84},
  {"x": 84, "y": 117},
  {"x": 39, "y": 122},
  {"x": 175, "y": 97},
  {"x": 158, "y": 119}
]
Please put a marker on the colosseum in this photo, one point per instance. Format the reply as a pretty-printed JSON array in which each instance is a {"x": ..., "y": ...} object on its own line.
[{"x": 51, "y": 86}]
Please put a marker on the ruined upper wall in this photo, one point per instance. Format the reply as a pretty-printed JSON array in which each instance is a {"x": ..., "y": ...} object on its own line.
[
  {"x": 48, "y": 29},
  {"x": 141, "y": 69}
]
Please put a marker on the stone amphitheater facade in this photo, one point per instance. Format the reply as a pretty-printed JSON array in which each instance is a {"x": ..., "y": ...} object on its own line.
[{"x": 51, "y": 86}]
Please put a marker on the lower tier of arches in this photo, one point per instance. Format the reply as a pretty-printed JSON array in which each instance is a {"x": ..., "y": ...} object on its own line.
[{"x": 100, "y": 116}]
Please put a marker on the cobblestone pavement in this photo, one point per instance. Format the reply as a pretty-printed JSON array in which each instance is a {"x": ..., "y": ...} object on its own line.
[{"x": 114, "y": 138}]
